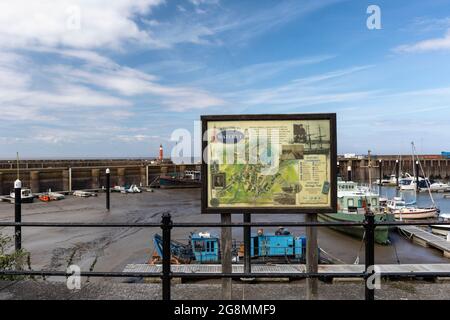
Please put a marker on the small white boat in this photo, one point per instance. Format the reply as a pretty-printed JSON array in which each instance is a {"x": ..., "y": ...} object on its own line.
[
  {"x": 132, "y": 189},
  {"x": 398, "y": 207},
  {"x": 408, "y": 182},
  {"x": 84, "y": 194},
  {"x": 392, "y": 181},
  {"x": 56, "y": 196},
  {"x": 439, "y": 187},
  {"x": 443, "y": 230},
  {"x": 26, "y": 195},
  {"x": 119, "y": 189}
]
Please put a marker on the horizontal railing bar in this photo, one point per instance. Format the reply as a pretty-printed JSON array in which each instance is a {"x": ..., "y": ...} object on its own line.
[
  {"x": 82, "y": 224},
  {"x": 412, "y": 223},
  {"x": 221, "y": 275},
  {"x": 210, "y": 224}
]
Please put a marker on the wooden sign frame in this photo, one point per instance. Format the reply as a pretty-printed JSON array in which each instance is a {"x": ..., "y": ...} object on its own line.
[{"x": 332, "y": 208}]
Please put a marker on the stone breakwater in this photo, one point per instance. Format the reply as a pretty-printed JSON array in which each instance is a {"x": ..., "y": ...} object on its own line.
[{"x": 68, "y": 175}]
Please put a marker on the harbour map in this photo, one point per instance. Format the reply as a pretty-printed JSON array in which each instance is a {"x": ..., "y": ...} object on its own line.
[{"x": 281, "y": 163}]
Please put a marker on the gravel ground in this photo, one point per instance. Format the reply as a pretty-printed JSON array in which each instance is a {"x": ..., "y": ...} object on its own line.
[{"x": 392, "y": 290}]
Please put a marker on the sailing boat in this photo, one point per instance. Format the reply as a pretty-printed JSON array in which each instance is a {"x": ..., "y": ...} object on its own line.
[
  {"x": 26, "y": 194},
  {"x": 404, "y": 211}
]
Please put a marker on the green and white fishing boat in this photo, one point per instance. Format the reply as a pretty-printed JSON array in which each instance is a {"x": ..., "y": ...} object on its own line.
[{"x": 352, "y": 203}]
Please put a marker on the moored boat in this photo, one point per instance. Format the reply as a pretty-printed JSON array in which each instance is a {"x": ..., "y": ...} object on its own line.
[
  {"x": 190, "y": 179},
  {"x": 402, "y": 211},
  {"x": 204, "y": 247},
  {"x": 443, "y": 230},
  {"x": 353, "y": 201},
  {"x": 440, "y": 187},
  {"x": 26, "y": 195}
]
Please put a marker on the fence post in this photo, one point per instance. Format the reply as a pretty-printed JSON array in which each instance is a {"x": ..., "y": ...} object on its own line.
[
  {"x": 369, "y": 225},
  {"x": 312, "y": 259},
  {"x": 166, "y": 225},
  {"x": 108, "y": 188},
  {"x": 226, "y": 256},
  {"x": 18, "y": 214},
  {"x": 247, "y": 245}
]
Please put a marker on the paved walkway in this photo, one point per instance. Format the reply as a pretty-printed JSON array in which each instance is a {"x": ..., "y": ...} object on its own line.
[{"x": 29, "y": 289}]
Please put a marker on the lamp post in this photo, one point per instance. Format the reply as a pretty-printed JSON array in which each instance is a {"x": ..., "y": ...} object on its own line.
[
  {"x": 18, "y": 214},
  {"x": 108, "y": 187}
]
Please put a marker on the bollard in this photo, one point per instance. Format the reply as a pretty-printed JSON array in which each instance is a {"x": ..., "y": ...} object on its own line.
[
  {"x": 18, "y": 214},
  {"x": 108, "y": 188},
  {"x": 166, "y": 226},
  {"x": 369, "y": 225}
]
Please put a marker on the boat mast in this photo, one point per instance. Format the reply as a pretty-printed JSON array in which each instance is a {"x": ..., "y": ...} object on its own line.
[
  {"x": 369, "y": 165},
  {"x": 414, "y": 167},
  {"x": 423, "y": 172}
]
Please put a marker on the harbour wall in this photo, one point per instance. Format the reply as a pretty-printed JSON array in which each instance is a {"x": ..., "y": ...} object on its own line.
[
  {"x": 70, "y": 175},
  {"x": 435, "y": 167}
]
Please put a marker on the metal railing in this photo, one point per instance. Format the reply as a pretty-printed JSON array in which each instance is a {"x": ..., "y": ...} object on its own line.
[{"x": 167, "y": 224}]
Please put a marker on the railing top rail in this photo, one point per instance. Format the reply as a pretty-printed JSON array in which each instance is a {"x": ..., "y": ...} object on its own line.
[{"x": 212, "y": 224}]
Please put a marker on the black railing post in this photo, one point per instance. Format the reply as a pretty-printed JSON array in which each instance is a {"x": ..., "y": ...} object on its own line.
[
  {"x": 108, "y": 188},
  {"x": 18, "y": 214},
  {"x": 166, "y": 227},
  {"x": 247, "y": 245},
  {"x": 369, "y": 226}
]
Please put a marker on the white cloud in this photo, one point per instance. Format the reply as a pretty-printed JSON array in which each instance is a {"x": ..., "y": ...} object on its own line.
[
  {"x": 254, "y": 73},
  {"x": 131, "y": 82},
  {"x": 202, "y": 2},
  {"x": 318, "y": 89},
  {"x": 434, "y": 44},
  {"x": 73, "y": 23},
  {"x": 137, "y": 137}
]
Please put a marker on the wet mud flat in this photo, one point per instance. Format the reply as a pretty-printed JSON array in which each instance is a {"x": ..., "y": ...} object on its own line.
[{"x": 111, "y": 249}]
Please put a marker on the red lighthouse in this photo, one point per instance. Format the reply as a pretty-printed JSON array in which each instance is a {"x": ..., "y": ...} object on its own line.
[{"x": 161, "y": 153}]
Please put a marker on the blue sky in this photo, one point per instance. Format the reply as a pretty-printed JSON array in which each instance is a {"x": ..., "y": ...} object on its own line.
[{"x": 115, "y": 78}]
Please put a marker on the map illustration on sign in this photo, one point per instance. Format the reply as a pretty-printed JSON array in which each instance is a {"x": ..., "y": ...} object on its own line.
[{"x": 269, "y": 163}]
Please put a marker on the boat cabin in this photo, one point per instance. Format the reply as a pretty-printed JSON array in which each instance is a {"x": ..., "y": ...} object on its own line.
[
  {"x": 192, "y": 174},
  {"x": 205, "y": 247},
  {"x": 277, "y": 245},
  {"x": 396, "y": 203},
  {"x": 354, "y": 199},
  {"x": 25, "y": 194}
]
